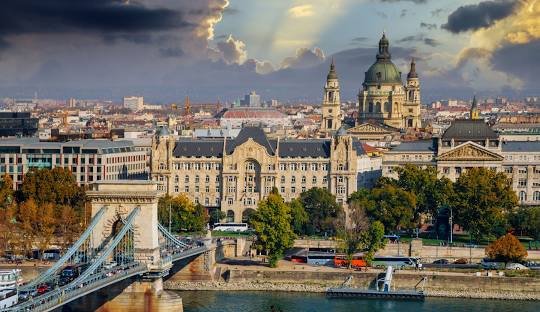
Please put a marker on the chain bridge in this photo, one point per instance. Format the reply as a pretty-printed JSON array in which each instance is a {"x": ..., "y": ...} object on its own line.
[{"x": 123, "y": 240}]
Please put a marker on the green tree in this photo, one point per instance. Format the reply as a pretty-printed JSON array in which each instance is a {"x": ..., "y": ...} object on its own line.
[
  {"x": 216, "y": 215},
  {"x": 184, "y": 215},
  {"x": 482, "y": 198},
  {"x": 507, "y": 249},
  {"x": 527, "y": 219},
  {"x": 322, "y": 209},
  {"x": 431, "y": 192},
  {"x": 272, "y": 225},
  {"x": 373, "y": 239},
  {"x": 299, "y": 217},
  {"x": 393, "y": 207}
]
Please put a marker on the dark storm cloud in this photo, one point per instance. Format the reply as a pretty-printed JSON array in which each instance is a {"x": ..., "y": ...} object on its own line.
[
  {"x": 171, "y": 52},
  {"x": 475, "y": 16},
  {"x": 104, "y": 17},
  {"x": 428, "y": 26},
  {"x": 520, "y": 62}
]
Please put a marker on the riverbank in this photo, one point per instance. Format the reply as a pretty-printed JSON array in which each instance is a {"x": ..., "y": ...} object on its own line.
[{"x": 312, "y": 280}]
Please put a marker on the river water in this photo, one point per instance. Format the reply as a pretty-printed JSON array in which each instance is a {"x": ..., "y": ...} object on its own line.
[{"x": 214, "y": 301}]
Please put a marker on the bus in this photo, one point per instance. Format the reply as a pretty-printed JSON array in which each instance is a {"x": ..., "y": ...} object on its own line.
[
  {"x": 358, "y": 261},
  {"x": 320, "y": 258},
  {"x": 395, "y": 262},
  {"x": 231, "y": 227}
]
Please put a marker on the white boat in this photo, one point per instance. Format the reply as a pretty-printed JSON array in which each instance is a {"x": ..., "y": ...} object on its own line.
[{"x": 9, "y": 282}]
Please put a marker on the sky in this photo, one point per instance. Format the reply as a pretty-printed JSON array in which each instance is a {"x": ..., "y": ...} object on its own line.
[{"x": 214, "y": 50}]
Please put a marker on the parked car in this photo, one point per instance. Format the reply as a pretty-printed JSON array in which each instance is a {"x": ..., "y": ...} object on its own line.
[
  {"x": 441, "y": 261},
  {"x": 461, "y": 261},
  {"x": 516, "y": 266}
]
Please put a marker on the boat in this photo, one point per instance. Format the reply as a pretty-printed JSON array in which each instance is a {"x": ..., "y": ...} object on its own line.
[
  {"x": 384, "y": 292},
  {"x": 9, "y": 282}
]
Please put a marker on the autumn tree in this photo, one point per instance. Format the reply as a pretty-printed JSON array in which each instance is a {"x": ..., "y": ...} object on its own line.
[
  {"x": 28, "y": 223},
  {"x": 6, "y": 191},
  {"x": 272, "y": 225},
  {"x": 68, "y": 225},
  {"x": 44, "y": 226},
  {"x": 482, "y": 199},
  {"x": 322, "y": 209},
  {"x": 506, "y": 249}
]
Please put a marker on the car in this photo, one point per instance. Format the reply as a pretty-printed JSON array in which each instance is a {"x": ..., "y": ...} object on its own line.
[
  {"x": 516, "y": 266},
  {"x": 461, "y": 261},
  {"x": 110, "y": 265},
  {"x": 43, "y": 288},
  {"x": 441, "y": 261}
]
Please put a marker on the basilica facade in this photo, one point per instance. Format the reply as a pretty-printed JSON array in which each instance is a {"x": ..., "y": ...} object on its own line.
[{"x": 384, "y": 98}]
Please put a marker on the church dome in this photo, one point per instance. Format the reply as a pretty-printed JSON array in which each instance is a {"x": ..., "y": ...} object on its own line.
[{"x": 383, "y": 71}]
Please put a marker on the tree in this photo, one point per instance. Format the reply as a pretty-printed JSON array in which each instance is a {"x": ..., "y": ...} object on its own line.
[
  {"x": 216, "y": 215},
  {"x": 482, "y": 198},
  {"x": 45, "y": 226},
  {"x": 299, "y": 217},
  {"x": 393, "y": 207},
  {"x": 507, "y": 249},
  {"x": 184, "y": 215},
  {"x": 527, "y": 219},
  {"x": 272, "y": 225},
  {"x": 28, "y": 224},
  {"x": 57, "y": 186},
  {"x": 322, "y": 209},
  {"x": 68, "y": 225},
  {"x": 6, "y": 191},
  {"x": 431, "y": 192}
]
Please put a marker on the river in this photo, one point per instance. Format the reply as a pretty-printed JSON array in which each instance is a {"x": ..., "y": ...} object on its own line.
[{"x": 214, "y": 301}]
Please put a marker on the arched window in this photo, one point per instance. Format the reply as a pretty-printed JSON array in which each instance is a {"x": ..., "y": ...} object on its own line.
[
  {"x": 378, "y": 107},
  {"x": 387, "y": 107},
  {"x": 370, "y": 108},
  {"x": 536, "y": 196},
  {"x": 522, "y": 196},
  {"x": 230, "y": 216}
]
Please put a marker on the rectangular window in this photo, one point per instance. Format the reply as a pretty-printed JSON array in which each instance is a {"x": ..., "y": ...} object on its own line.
[
  {"x": 196, "y": 189},
  {"x": 230, "y": 201},
  {"x": 522, "y": 170},
  {"x": 207, "y": 189},
  {"x": 186, "y": 189},
  {"x": 282, "y": 167},
  {"x": 293, "y": 189},
  {"x": 313, "y": 167},
  {"x": 282, "y": 189},
  {"x": 522, "y": 183}
]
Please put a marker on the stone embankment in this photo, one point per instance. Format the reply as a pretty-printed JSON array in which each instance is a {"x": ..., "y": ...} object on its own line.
[{"x": 438, "y": 284}]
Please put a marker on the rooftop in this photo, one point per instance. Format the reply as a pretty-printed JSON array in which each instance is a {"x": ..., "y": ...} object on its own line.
[{"x": 470, "y": 130}]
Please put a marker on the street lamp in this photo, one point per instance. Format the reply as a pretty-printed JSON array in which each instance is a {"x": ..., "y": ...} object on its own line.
[
  {"x": 169, "y": 217},
  {"x": 451, "y": 225}
]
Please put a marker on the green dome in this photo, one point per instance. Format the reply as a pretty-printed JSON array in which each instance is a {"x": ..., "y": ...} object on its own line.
[{"x": 383, "y": 71}]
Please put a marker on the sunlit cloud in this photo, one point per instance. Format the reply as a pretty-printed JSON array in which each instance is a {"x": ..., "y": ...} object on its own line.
[{"x": 301, "y": 11}]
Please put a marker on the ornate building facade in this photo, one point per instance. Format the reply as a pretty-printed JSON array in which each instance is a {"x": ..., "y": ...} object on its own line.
[
  {"x": 383, "y": 97},
  {"x": 472, "y": 143},
  {"x": 331, "y": 106},
  {"x": 235, "y": 174}
]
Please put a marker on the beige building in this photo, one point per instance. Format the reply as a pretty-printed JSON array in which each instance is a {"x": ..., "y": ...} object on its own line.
[
  {"x": 383, "y": 97},
  {"x": 470, "y": 143},
  {"x": 331, "y": 106},
  {"x": 235, "y": 174}
]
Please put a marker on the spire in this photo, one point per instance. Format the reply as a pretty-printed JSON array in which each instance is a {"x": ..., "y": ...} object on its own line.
[
  {"x": 384, "y": 44},
  {"x": 412, "y": 73},
  {"x": 332, "y": 73},
  {"x": 475, "y": 112}
]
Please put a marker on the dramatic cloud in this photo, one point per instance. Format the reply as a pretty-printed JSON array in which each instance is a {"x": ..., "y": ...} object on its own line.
[
  {"x": 230, "y": 50},
  {"x": 475, "y": 16},
  {"x": 428, "y": 26},
  {"x": 105, "y": 17},
  {"x": 304, "y": 58},
  {"x": 305, "y": 10}
]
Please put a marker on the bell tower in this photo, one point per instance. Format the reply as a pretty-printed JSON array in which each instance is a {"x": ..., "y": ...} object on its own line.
[
  {"x": 331, "y": 109},
  {"x": 475, "y": 112}
]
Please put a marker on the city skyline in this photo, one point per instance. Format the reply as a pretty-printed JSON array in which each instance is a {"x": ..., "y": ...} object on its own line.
[{"x": 219, "y": 50}]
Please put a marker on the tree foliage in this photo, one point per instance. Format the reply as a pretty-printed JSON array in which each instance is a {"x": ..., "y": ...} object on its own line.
[
  {"x": 184, "y": 215},
  {"x": 272, "y": 225},
  {"x": 482, "y": 199},
  {"x": 431, "y": 192},
  {"x": 393, "y": 207},
  {"x": 323, "y": 211},
  {"x": 299, "y": 217},
  {"x": 507, "y": 249},
  {"x": 527, "y": 221}
]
